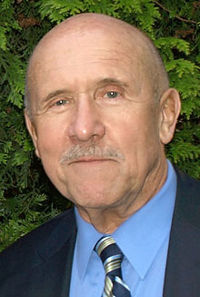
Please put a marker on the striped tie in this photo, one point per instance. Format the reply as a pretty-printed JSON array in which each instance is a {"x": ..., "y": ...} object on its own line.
[{"x": 111, "y": 257}]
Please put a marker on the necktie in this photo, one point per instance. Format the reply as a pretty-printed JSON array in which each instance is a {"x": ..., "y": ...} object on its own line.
[{"x": 111, "y": 257}]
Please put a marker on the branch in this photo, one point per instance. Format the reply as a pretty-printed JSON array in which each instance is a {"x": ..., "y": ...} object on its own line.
[{"x": 176, "y": 16}]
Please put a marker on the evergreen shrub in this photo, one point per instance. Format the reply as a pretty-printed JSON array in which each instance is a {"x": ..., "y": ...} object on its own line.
[{"x": 27, "y": 198}]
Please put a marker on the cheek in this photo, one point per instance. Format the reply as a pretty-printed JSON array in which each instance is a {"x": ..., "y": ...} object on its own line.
[
  {"x": 137, "y": 135},
  {"x": 50, "y": 138}
]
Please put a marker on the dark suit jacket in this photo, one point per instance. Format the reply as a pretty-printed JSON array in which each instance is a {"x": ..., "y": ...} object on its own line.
[{"x": 39, "y": 265}]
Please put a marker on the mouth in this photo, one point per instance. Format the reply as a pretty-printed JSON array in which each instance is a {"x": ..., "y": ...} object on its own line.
[{"x": 90, "y": 160}]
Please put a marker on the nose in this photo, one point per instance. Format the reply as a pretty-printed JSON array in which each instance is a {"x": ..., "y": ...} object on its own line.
[{"x": 86, "y": 124}]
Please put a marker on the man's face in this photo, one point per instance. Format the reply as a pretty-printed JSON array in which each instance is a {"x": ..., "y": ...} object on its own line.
[{"x": 95, "y": 119}]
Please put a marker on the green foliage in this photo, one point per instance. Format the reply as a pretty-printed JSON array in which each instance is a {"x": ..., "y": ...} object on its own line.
[{"x": 27, "y": 198}]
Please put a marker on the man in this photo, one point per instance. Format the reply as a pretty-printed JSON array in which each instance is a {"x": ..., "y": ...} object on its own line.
[{"x": 100, "y": 110}]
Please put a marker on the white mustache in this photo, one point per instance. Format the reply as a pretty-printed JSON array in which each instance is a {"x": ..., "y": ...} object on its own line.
[{"x": 78, "y": 152}]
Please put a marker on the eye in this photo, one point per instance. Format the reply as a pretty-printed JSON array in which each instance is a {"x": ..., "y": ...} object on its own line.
[
  {"x": 61, "y": 102},
  {"x": 112, "y": 94}
]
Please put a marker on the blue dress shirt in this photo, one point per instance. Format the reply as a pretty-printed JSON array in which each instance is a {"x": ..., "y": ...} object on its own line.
[{"x": 143, "y": 239}]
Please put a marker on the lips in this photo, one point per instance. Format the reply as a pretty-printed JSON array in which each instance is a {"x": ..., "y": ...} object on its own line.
[{"x": 89, "y": 160}]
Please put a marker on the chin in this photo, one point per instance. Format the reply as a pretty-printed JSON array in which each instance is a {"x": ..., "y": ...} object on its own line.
[{"x": 93, "y": 201}]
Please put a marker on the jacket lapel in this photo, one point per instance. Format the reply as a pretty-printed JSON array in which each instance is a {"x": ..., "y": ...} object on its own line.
[
  {"x": 41, "y": 266},
  {"x": 52, "y": 277},
  {"x": 182, "y": 278},
  {"x": 57, "y": 255}
]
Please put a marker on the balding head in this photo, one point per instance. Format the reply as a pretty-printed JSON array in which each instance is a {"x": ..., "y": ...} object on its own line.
[
  {"x": 97, "y": 123},
  {"x": 134, "y": 41}
]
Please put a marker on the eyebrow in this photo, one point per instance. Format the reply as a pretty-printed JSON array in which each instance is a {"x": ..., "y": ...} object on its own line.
[
  {"x": 101, "y": 83},
  {"x": 110, "y": 80},
  {"x": 56, "y": 93}
]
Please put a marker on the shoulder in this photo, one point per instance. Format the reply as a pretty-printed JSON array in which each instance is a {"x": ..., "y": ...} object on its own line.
[
  {"x": 184, "y": 180},
  {"x": 188, "y": 198},
  {"x": 188, "y": 187},
  {"x": 48, "y": 237}
]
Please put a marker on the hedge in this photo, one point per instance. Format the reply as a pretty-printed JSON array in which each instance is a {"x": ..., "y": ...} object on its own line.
[{"x": 27, "y": 198}]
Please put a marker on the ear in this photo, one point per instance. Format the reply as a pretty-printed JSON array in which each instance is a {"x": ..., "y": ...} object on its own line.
[
  {"x": 170, "y": 106},
  {"x": 32, "y": 131}
]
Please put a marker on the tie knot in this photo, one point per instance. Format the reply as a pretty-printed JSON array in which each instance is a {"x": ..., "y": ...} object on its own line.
[{"x": 110, "y": 255}]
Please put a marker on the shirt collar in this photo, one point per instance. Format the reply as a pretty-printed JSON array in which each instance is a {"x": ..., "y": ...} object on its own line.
[
  {"x": 141, "y": 236},
  {"x": 87, "y": 237}
]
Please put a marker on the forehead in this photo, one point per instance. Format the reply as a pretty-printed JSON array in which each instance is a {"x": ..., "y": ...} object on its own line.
[
  {"x": 85, "y": 55},
  {"x": 86, "y": 42},
  {"x": 83, "y": 38}
]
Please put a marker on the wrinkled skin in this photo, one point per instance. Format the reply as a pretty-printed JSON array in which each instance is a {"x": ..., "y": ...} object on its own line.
[{"x": 95, "y": 123}]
